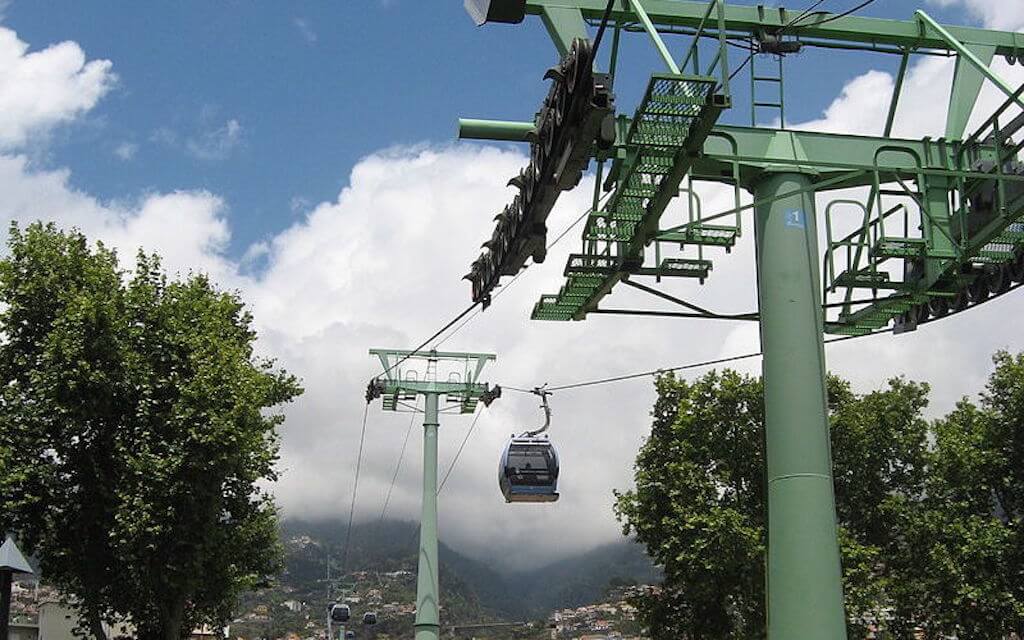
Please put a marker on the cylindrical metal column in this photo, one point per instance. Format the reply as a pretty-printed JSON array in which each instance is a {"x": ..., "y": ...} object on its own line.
[
  {"x": 805, "y": 591},
  {"x": 427, "y": 589}
]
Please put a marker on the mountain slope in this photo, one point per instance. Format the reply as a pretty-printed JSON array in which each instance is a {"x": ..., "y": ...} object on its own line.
[{"x": 471, "y": 589}]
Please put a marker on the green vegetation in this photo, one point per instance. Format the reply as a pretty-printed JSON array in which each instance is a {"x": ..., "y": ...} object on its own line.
[
  {"x": 133, "y": 431},
  {"x": 930, "y": 512}
]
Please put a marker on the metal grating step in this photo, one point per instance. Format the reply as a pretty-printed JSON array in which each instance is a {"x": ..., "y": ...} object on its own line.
[
  {"x": 609, "y": 230},
  {"x": 655, "y": 164},
  {"x": 669, "y": 109},
  {"x": 866, "y": 280},
  {"x": 683, "y": 267},
  {"x": 640, "y": 190},
  {"x": 875, "y": 316},
  {"x": 889, "y": 247},
  {"x": 666, "y": 134},
  {"x": 1014, "y": 237},
  {"x": 709, "y": 234},
  {"x": 838, "y": 328}
]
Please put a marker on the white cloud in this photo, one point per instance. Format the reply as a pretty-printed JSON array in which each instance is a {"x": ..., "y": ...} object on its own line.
[
  {"x": 305, "y": 29},
  {"x": 126, "y": 150},
  {"x": 299, "y": 204},
  {"x": 164, "y": 135},
  {"x": 40, "y": 90},
  {"x": 215, "y": 144},
  {"x": 188, "y": 228},
  {"x": 993, "y": 14}
]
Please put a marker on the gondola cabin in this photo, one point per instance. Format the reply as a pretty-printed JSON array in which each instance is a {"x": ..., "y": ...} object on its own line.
[
  {"x": 340, "y": 613},
  {"x": 370, "y": 617},
  {"x": 528, "y": 471}
]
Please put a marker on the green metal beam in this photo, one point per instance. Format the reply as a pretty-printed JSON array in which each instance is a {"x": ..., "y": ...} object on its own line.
[
  {"x": 754, "y": 147},
  {"x": 967, "y": 81},
  {"x": 564, "y": 24},
  {"x": 896, "y": 91},
  {"x": 638, "y": 9},
  {"x": 965, "y": 53},
  {"x": 904, "y": 33}
]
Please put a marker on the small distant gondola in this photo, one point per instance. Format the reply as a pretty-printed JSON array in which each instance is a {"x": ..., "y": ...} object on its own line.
[
  {"x": 369, "y": 618},
  {"x": 340, "y": 613},
  {"x": 528, "y": 470}
]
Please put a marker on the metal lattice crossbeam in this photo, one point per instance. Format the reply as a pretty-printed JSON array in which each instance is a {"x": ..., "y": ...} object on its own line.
[
  {"x": 672, "y": 121},
  {"x": 405, "y": 377}
]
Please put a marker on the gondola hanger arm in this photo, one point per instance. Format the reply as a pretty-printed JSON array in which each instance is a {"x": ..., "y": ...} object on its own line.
[{"x": 543, "y": 392}]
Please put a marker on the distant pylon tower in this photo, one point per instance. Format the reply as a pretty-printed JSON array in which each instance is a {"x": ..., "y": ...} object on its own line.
[{"x": 408, "y": 375}]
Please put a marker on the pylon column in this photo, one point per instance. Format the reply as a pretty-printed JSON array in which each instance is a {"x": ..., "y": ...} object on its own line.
[
  {"x": 805, "y": 592},
  {"x": 427, "y": 588}
]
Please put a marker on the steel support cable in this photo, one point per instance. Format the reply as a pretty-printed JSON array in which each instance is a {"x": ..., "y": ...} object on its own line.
[
  {"x": 398, "y": 467},
  {"x": 430, "y": 339},
  {"x": 736, "y": 71},
  {"x": 508, "y": 388},
  {"x": 505, "y": 288},
  {"x": 839, "y": 15},
  {"x": 355, "y": 487},
  {"x": 458, "y": 453},
  {"x": 800, "y": 16},
  {"x": 707, "y": 312},
  {"x": 601, "y": 27},
  {"x": 692, "y": 365}
]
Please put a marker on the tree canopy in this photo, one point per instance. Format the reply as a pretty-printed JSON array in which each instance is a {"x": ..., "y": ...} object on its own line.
[
  {"x": 134, "y": 434},
  {"x": 929, "y": 512}
]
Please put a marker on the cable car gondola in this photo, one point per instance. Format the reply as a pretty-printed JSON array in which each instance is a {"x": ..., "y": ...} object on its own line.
[
  {"x": 528, "y": 470},
  {"x": 370, "y": 617},
  {"x": 340, "y": 613}
]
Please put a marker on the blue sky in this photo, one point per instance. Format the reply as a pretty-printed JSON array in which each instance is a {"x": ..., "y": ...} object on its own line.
[
  {"x": 303, "y": 154},
  {"x": 271, "y": 104}
]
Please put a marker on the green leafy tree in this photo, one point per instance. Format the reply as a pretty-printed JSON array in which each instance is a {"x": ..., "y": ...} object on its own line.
[
  {"x": 930, "y": 533},
  {"x": 134, "y": 433},
  {"x": 698, "y": 507},
  {"x": 967, "y": 529}
]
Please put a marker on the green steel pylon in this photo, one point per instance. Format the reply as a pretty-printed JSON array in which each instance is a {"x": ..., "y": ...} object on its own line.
[
  {"x": 941, "y": 229},
  {"x": 405, "y": 379}
]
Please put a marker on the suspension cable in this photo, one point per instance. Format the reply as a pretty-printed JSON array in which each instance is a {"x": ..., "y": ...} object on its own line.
[
  {"x": 355, "y": 486},
  {"x": 505, "y": 288},
  {"x": 800, "y": 17},
  {"x": 840, "y": 15},
  {"x": 655, "y": 372},
  {"x": 431, "y": 338},
  {"x": 401, "y": 456},
  {"x": 601, "y": 27},
  {"x": 458, "y": 453}
]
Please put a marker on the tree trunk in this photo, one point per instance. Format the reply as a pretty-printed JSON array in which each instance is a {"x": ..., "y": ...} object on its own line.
[
  {"x": 171, "y": 620},
  {"x": 96, "y": 627}
]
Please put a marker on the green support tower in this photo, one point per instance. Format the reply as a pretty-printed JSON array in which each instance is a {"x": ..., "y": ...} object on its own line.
[
  {"x": 939, "y": 229},
  {"x": 407, "y": 376}
]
